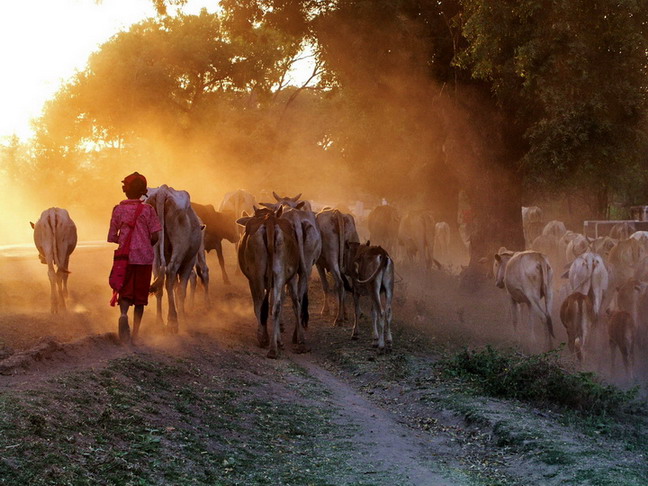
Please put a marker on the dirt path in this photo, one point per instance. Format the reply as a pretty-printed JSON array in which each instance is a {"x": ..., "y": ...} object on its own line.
[{"x": 397, "y": 447}]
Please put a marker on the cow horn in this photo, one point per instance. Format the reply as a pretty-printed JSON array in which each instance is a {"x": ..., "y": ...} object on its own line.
[
  {"x": 296, "y": 198},
  {"x": 276, "y": 196}
]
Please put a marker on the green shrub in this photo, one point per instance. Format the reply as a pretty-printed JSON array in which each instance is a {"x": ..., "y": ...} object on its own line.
[{"x": 538, "y": 379}]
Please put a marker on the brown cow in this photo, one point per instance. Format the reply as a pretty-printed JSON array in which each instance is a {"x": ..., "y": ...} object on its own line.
[
  {"x": 336, "y": 229},
  {"x": 269, "y": 258},
  {"x": 55, "y": 236},
  {"x": 383, "y": 224},
  {"x": 577, "y": 315},
  {"x": 622, "y": 331},
  {"x": 371, "y": 272},
  {"x": 218, "y": 226},
  {"x": 416, "y": 234},
  {"x": 527, "y": 276}
]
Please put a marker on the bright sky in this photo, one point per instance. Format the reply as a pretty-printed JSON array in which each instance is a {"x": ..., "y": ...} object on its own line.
[{"x": 44, "y": 42}]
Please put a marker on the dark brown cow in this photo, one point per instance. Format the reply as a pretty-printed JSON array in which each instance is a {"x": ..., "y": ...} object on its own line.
[
  {"x": 218, "y": 226},
  {"x": 577, "y": 315},
  {"x": 371, "y": 272},
  {"x": 336, "y": 229},
  {"x": 622, "y": 332},
  {"x": 269, "y": 257},
  {"x": 55, "y": 236}
]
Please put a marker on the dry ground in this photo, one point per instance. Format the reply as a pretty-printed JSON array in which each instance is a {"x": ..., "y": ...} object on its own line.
[{"x": 207, "y": 407}]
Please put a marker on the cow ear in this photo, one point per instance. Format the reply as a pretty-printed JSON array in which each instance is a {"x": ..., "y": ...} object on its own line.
[
  {"x": 276, "y": 196},
  {"x": 243, "y": 221},
  {"x": 296, "y": 198},
  {"x": 245, "y": 214},
  {"x": 279, "y": 212},
  {"x": 301, "y": 205},
  {"x": 32, "y": 224},
  {"x": 267, "y": 205},
  {"x": 368, "y": 243},
  {"x": 498, "y": 257}
]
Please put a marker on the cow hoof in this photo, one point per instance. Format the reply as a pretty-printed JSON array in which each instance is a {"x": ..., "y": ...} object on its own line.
[
  {"x": 355, "y": 337},
  {"x": 374, "y": 345},
  {"x": 381, "y": 350},
  {"x": 272, "y": 354},
  {"x": 301, "y": 349}
]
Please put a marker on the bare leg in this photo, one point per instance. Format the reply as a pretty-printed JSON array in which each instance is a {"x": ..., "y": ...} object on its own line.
[
  {"x": 124, "y": 329},
  {"x": 137, "y": 319}
]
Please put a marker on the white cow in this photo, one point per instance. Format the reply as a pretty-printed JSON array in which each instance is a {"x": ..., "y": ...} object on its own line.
[
  {"x": 589, "y": 276},
  {"x": 177, "y": 249},
  {"x": 527, "y": 277},
  {"x": 531, "y": 224},
  {"x": 55, "y": 236}
]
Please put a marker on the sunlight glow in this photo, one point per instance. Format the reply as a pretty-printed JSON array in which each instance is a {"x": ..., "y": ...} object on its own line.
[{"x": 44, "y": 42}]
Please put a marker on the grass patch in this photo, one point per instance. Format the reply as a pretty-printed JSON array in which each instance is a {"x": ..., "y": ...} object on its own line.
[{"x": 538, "y": 379}]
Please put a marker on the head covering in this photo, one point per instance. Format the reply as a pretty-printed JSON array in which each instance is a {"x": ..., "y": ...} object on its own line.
[{"x": 135, "y": 183}]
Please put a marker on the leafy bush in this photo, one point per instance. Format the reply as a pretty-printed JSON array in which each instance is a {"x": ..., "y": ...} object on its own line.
[{"x": 539, "y": 379}]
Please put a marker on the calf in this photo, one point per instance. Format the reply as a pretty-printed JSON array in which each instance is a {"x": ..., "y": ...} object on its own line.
[
  {"x": 577, "y": 315},
  {"x": 621, "y": 331},
  {"x": 527, "y": 276},
  {"x": 55, "y": 236},
  {"x": 371, "y": 272}
]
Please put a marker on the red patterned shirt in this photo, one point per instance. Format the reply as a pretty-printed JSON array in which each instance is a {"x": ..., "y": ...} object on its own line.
[{"x": 141, "y": 250}]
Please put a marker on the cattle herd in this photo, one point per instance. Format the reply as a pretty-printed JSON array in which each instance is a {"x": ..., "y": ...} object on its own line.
[{"x": 599, "y": 286}]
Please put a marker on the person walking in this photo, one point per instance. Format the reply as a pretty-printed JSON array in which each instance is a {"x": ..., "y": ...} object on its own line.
[{"x": 135, "y": 227}]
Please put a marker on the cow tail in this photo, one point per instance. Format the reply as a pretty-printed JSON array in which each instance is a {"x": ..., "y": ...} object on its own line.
[
  {"x": 381, "y": 265},
  {"x": 264, "y": 308},
  {"x": 340, "y": 221},
  {"x": 304, "y": 310},
  {"x": 270, "y": 242},
  {"x": 51, "y": 224},
  {"x": 160, "y": 198},
  {"x": 547, "y": 276}
]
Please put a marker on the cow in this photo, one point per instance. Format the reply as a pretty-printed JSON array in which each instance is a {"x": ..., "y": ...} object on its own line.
[
  {"x": 55, "y": 236},
  {"x": 292, "y": 202},
  {"x": 547, "y": 244},
  {"x": 621, "y": 333},
  {"x": 602, "y": 246},
  {"x": 383, "y": 222},
  {"x": 532, "y": 224},
  {"x": 336, "y": 229},
  {"x": 309, "y": 241},
  {"x": 200, "y": 271},
  {"x": 622, "y": 231},
  {"x": 527, "y": 277},
  {"x": 371, "y": 272},
  {"x": 577, "y": 245},
  {"x": 577, "y": 315},
  {"x": 218, "y": 226},
  {"x": 176, "y": 250},
  {"x": 623, "y": 259},
  {"x": 441, "y": 241},
  {"x": 237, "y": 202},
  {"x": 416, "y": 235},
  {"x": 554, "y": 228},
  {"x": 589, "y": 276},
  {"x": 269, "y": 257}
]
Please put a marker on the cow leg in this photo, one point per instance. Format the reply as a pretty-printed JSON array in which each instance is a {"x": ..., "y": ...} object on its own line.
[
  {"x": 356, "y": 315},
  {"x": 51, "y": 274},
  {"x": 258, "y": 298},
  {"x": 193, "y": 281},
  {"x": 388, "y": 319},
  {"x": 61, "y": 289},
  {"x": 325, "y": 288},
  {"x": 379, "y": 318},
  {"x": 204, "y": 278},
  {"x": 299, "y": 337},
  {"x": 172, "y": 315},
  {"x": 275, "y": 341},
  {"x": 221, "y": 262},
  {"x": 340, "y": 292}
]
